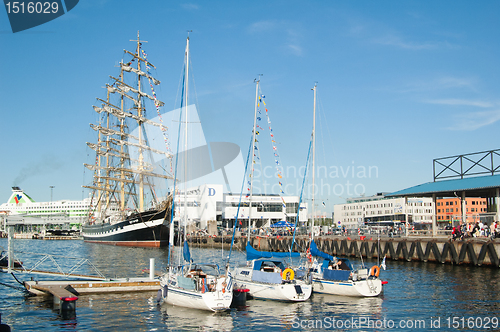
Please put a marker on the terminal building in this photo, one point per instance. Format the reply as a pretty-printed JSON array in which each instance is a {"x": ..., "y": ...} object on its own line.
[
  {"x": 380, "y": 210},
  {"x": 208, "y": 202},
  {"x": 29, "y": 216}
]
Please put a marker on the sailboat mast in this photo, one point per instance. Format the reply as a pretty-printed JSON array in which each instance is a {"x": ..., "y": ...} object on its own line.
[
  {"x": 253, "y": 155},
  {"x": 313, "y": 158},
  {"x": 186, "y": 87},
  {"x": 139, "y": 114}
]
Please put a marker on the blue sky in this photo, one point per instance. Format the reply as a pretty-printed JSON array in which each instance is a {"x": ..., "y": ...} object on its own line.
[{"x": 399, "y": 84}]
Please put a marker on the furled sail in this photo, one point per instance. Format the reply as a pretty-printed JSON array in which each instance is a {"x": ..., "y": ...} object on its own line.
[
  {"x": 127, "y": 170},
  {"x": 112, "y": 109},
  {"x": 110, "y": 132},
  {"x": 129, "y": 69}
]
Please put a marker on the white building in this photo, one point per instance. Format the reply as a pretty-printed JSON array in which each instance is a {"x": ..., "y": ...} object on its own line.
[
  {"x": 208, "y": 202},
  {"x": 384, "y": 211},
  {"x": 201, "y": 204}
]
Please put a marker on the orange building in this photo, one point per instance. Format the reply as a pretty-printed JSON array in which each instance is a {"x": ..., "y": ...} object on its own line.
[{"x": 450, "y": 209}]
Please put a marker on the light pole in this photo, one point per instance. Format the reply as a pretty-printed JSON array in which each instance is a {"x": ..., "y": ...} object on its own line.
[{"x": 51, "y": 190}]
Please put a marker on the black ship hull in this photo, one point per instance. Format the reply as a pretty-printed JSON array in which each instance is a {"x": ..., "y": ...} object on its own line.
[{"x": 145, "y": 229}]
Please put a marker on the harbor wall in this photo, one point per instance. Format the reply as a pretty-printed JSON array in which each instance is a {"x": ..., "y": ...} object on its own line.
[{"x": 473, "y": 251}]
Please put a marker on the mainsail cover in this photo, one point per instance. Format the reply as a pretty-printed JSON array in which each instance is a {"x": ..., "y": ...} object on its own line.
[
  {"x": 316, "y": 252},
  {"x": 256, "y": 254},
  {"x": 186, "y": 253}
]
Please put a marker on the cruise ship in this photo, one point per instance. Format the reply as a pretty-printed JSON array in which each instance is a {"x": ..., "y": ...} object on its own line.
[{"x": 20, "y": 205}]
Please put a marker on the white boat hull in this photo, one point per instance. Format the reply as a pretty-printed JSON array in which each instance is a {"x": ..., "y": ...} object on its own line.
[
  {"x": 213, "y": 301},
  {"x": 267, "y": 283},
  {"x": 296, "y": 292},
  {"x": 218, "y": 299},
  {"x": 362, "y": 288}
]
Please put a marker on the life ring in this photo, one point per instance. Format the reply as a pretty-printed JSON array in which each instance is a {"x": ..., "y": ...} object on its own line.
[
  {"x": 288, "y": 274},
  {"x": 375, "y": 271}
]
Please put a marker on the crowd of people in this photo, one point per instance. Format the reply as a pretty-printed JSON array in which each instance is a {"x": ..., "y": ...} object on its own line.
[{"x": 477, "y": 229}]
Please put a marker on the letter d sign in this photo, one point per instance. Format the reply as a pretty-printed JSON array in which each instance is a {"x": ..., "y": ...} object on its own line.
[{"x": 211, "y": 191}]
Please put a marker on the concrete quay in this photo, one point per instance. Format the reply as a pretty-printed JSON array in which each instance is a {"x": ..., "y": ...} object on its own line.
[{"x": 441, "y": 249}]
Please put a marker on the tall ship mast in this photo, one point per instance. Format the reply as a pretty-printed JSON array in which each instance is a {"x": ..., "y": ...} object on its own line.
[{"x": 125, "y": 209}]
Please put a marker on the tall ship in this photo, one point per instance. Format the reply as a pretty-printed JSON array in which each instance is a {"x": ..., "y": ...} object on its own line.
[{"x": 126, "y": 207}]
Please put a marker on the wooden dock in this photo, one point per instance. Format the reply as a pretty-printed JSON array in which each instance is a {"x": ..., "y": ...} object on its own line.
[
  {"x": 65, "y": 292},
  {"x": 81, "y": 287}
]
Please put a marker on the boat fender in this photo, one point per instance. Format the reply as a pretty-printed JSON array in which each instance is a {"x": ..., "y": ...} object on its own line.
[
  {"x": 288, "y": 274},
  {"x": 309, "y": 256},
  {"x": 224, "y": 285},
  {"x": 375, "y": 271},
  {"x": 202, "y": 285},
  {"x": 4, "y": 327},
  {"x": 159, "y": 296}
]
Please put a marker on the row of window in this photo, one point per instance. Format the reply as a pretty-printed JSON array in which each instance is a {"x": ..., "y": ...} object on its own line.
[
  {"x": 58, "y": 207},
  {"x": 386, "y": 212},
  {"x": 419, "y": 204},
  {"x": 419, "y": 211},
  {"x": 448, "y": 203},
  {"x": 466, "y": 210}
]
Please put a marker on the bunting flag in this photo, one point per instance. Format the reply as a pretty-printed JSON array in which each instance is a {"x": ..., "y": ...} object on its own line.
[
  {"x": 273, "y": 141},
  {"x": 275, "y": 149},
  {"x": 157, "y": 105}
]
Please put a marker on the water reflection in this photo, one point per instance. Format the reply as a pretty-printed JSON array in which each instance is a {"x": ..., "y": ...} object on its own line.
[
  {"x": 344, "y": 304},
  {"x": 180, "y": 318}
]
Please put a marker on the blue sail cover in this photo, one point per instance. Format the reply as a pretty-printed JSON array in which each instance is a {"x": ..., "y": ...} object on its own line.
[
  {"x": 186, "y": 253},
  {"x": 316, "y": 252},
  {"x": 256, "y": 254},
  {"x": 282, "y": 223}
]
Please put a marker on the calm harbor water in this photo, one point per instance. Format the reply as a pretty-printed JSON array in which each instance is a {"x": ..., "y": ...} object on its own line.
[{"x": 419, "y": 296}]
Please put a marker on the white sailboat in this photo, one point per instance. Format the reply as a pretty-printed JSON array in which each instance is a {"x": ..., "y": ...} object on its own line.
[
  {"x": 331, "y": 275},
  {"x": 266, "y": 275},
  {"x": 197, "y": 286}
]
